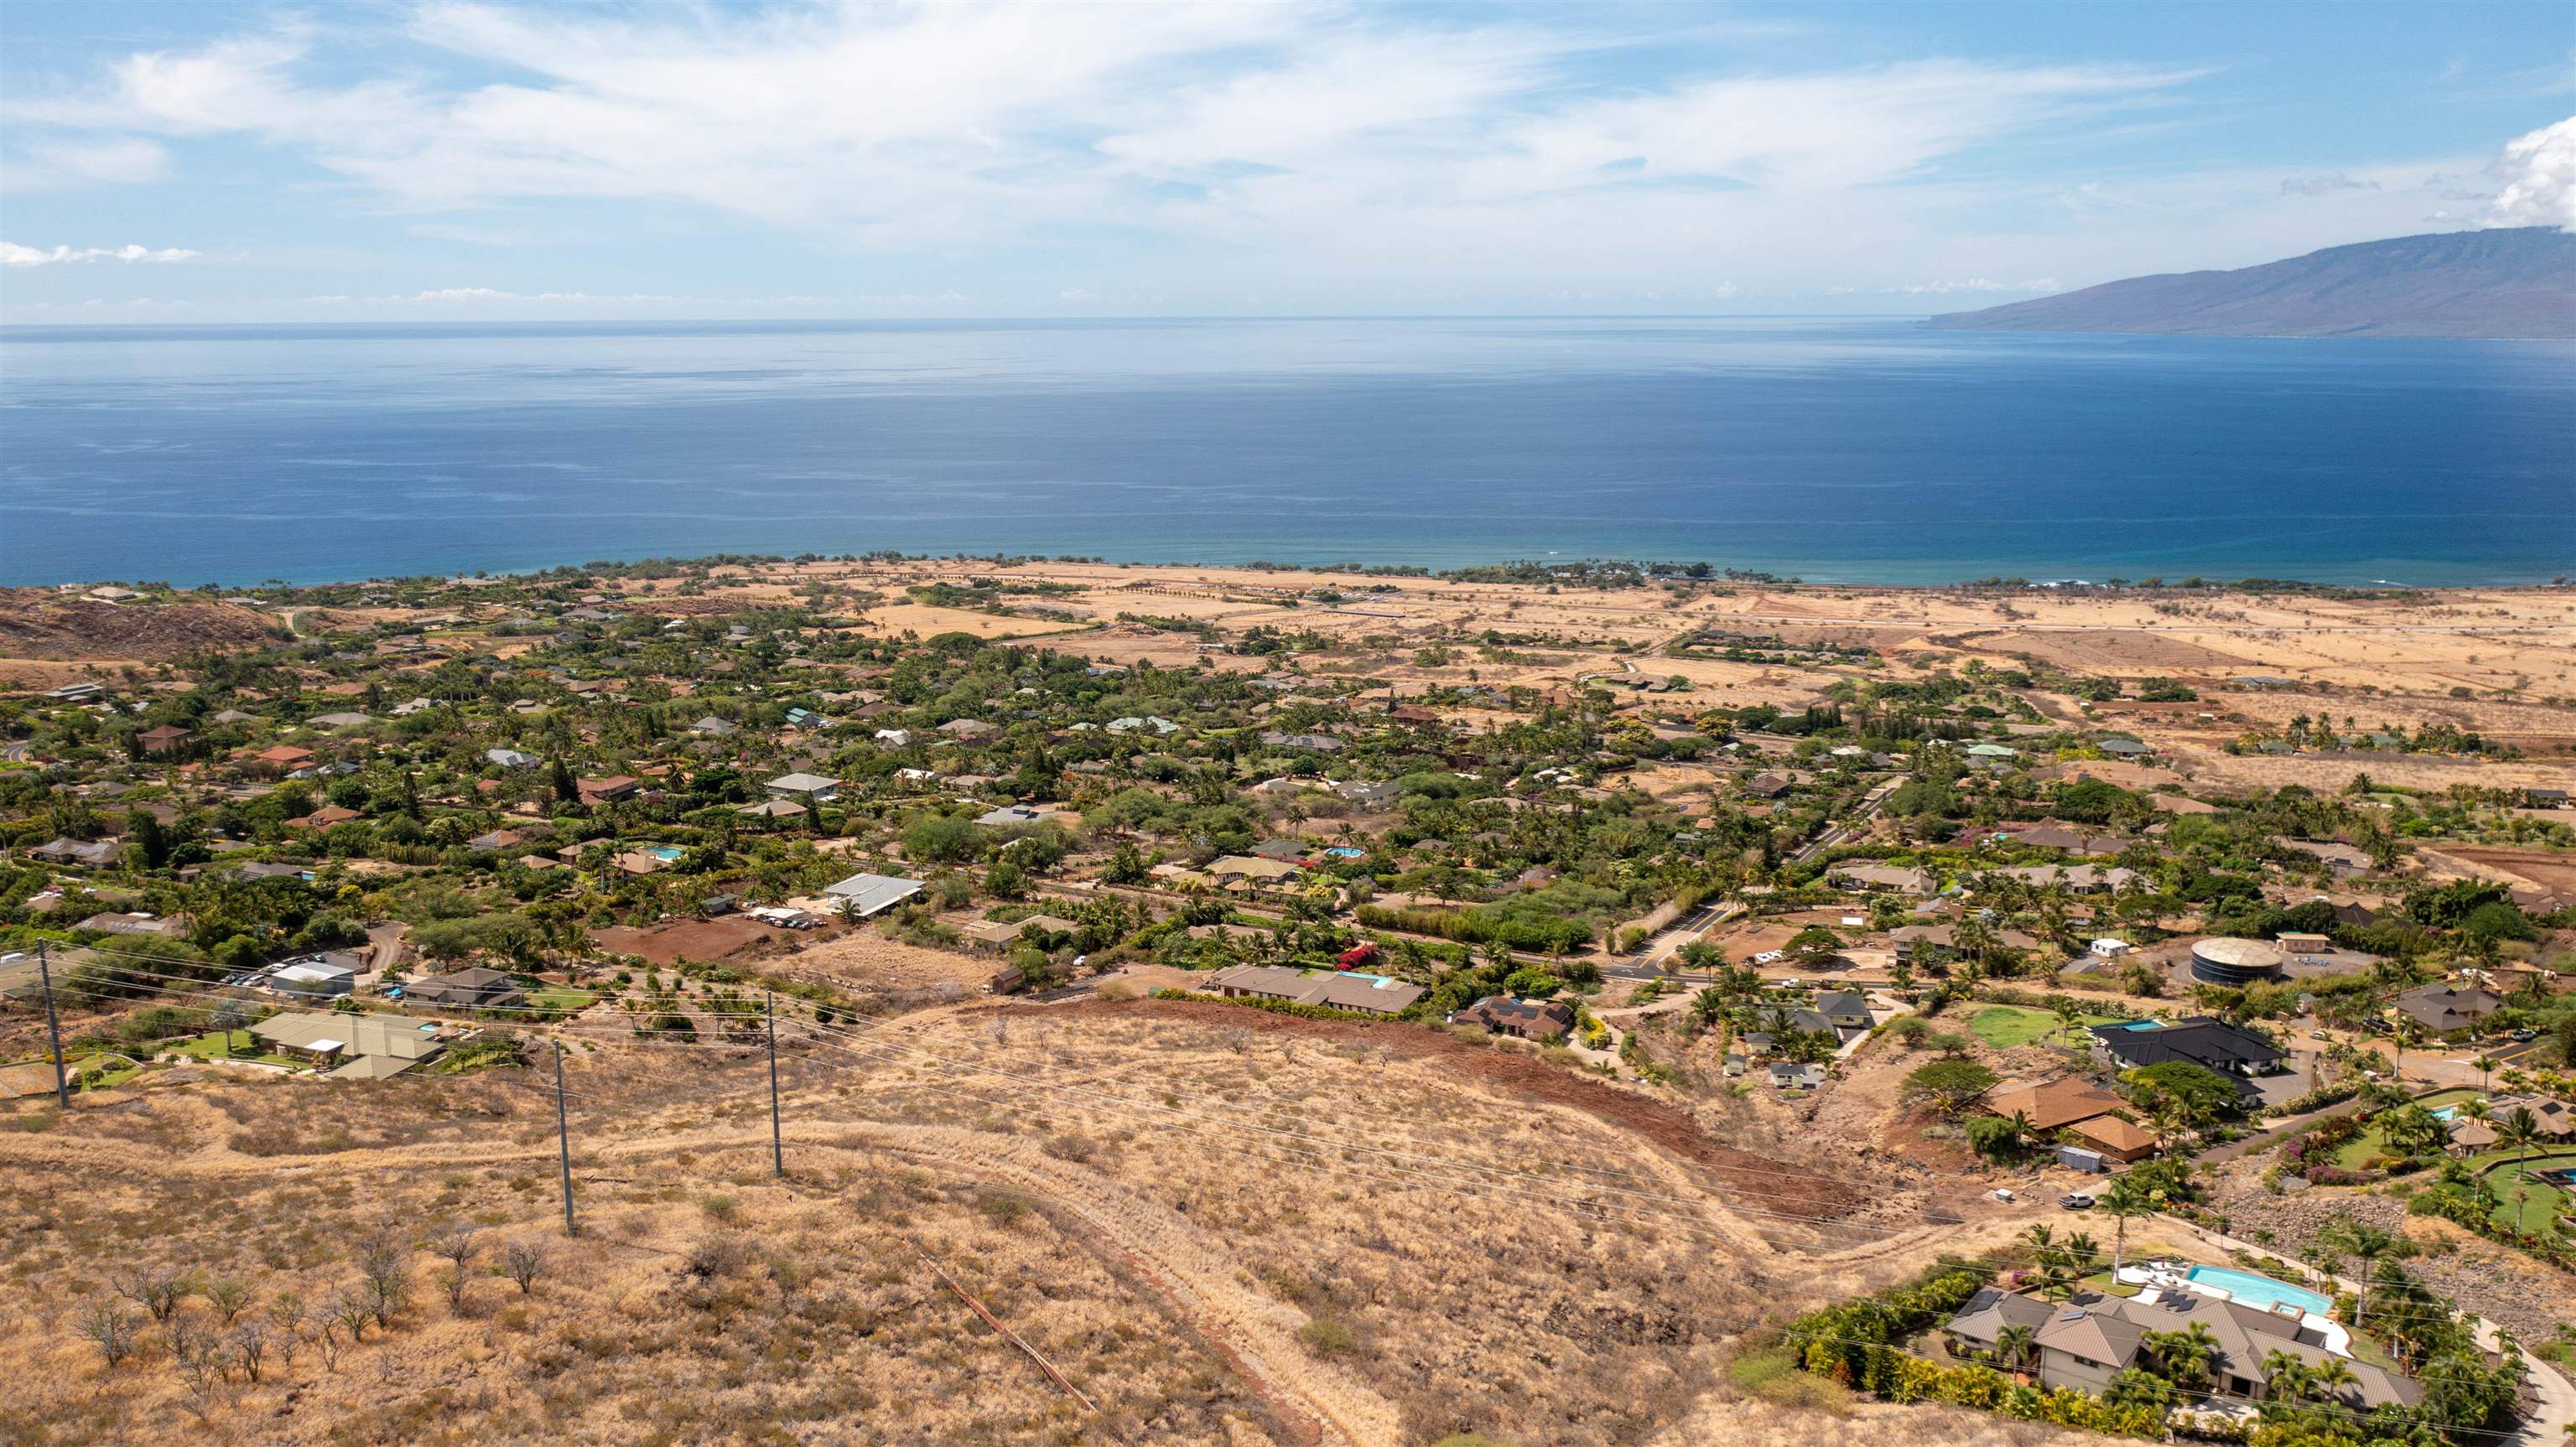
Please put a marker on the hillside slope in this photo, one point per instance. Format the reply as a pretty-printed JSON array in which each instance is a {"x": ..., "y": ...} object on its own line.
[{"x": 2518, "y": 283}]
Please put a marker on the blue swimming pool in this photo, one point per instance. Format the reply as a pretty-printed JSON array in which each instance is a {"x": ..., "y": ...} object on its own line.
[{"x": 2260, "y": 1292}]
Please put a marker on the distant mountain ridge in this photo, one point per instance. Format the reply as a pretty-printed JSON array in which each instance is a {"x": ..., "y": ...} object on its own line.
[{"x": 2515, "y": 283}]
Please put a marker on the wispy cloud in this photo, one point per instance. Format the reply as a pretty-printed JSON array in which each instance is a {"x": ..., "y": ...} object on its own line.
[
  {"x": 12, "y": 254},
  {"x": 2324, "y": 185},
  {"x": 976, "y": 123}
]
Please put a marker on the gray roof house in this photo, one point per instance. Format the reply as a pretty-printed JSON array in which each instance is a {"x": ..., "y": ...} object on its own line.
[{"x": 2086, "y": 1340}]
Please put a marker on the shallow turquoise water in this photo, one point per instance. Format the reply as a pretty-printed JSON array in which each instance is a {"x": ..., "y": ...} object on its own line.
[{"x": 2261, "y": 1292}]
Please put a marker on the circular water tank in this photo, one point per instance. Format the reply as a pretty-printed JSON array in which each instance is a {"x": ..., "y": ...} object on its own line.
[{"x": 2227, "y": 961}]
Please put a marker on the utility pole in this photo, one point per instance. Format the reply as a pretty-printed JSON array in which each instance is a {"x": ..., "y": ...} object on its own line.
[
  {"x": 563, "y": 1139},
  {"x": 54, "y": 1028},
  {"x": 777, "y": 1147}
]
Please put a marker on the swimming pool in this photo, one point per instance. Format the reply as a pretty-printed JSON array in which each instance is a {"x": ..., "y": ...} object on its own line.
[{"x": 2260, "y": 1292}]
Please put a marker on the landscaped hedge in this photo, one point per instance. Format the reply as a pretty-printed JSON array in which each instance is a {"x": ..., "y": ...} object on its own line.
[
  {"x": 1860, "y": 1344},
  {"x": 1904, "y": 1378}
]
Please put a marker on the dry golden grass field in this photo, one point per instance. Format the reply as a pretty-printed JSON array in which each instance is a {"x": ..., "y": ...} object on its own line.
[{"x": 1218, "y": 1229}]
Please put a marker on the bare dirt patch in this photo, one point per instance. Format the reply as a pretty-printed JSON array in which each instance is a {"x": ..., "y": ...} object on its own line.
[{"x": 37, "y": 623}]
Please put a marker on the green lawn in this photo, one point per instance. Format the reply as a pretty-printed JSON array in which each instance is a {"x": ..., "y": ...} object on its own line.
[
  {"x": 234, "y": 1044},
  {"x": 560, "y": 997},
  {"x": 2359, "y": 1151},
  {"x": 114, "y": 1070},
  {"x": 2006, "y": 1026},
  {"x": 2528, "y": 1206}
]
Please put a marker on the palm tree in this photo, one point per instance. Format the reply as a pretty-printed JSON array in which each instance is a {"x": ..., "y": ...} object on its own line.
[
  {"x": 2082, "y": 1253},
  {"x": 2015, "y": 1346},
  {"x": 1707, "y": 1008},
  {"x": 2286, "y": 1378},
  {"x": 2518, "y": 1131},
  {"x": 2185, "y": 1355},
  {"x": 2120, "y": 1202},
  {"x": 2368, "y": 1245},
  {"x": 2486, "y": 1067},
  {"x": 2329, "y": 1377}
]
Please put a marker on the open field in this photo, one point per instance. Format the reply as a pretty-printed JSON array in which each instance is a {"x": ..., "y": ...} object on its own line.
[{"x": 1180, "y": 1290}]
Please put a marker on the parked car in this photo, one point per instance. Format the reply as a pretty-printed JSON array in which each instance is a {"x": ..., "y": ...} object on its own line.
[{"x": 2076, "y": 1201}]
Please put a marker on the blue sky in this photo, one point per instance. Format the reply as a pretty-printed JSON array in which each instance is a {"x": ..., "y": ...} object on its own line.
[{"x": 462, "y": 161}]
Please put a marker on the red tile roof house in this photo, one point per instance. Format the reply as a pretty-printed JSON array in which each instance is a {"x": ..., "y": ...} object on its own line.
[
  {"x": 280, "y": 758},
  {"x": 609, "y": 790}
]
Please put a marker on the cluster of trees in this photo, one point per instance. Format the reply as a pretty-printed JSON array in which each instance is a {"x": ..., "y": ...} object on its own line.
[{"x": 219, "y": 1336}]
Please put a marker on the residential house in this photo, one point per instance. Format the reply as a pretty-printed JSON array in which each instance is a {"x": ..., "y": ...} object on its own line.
[
  {"x": 281, "y": 758},
  {"x": 2078, "y": 879},
  {"x": 995, "y": 934},
  {"x": 1154, "y": 724},
  {"x": 511, "y": 758},
  {"x": 812, "y": 787},
  {"x": 344, "y": 720},
  {"x": 712, "y": 727},
  {"x": 862, "y": 895},
  {"x": 1527, "y": 1019},
  {"x": 1791, "y": 1075},
  {"x": 1766, "y": 786},
  {"x": 1010, "y": 815},
  {"x": 1886, "y": 877},
  {"x": 2444, "y": 1008},
  {"x": 2053, "y": 1105},
  {"x": 1303, "y": 743},
  {"x": 613, "y": 789},
  {"x": 1845, "y": 1011},
  {"x": 2084, "y": 1342},
  {"x": 163, "y": 739},
  {"x": 2072, "y": 839},
  {"x": 324, "y": 818},
  {"x": 2115, "y": 1138},
  {"x": 154, "y": 926},
  {"x": 476, "y": 988},
  {"x": 1251, "y": 869},
  {"x": 967, "y": 728},
  {"x": 1372, "y": 795},
  {"x": 84, "y": 853},
  {"x": 353, "y": 1046},
  {"x": 316, "y": 977},
  {"x": 2228, "y": 1050}
]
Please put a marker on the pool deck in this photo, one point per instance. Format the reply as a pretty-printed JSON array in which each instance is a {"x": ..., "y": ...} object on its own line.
[{"x": 2555, "y": 1409}]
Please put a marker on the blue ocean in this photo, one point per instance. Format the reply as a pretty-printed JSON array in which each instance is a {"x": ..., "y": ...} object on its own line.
[{"x": 1829, "y": 449}]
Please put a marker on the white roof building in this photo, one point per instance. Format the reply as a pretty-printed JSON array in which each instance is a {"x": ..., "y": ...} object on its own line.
[{"x": 865, "y": 894}]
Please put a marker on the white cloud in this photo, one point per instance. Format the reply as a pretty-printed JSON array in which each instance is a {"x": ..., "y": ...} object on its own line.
[
  {"x": 2324, "y": 185},
  {"x": 1978, "y": 283},
  {"x": 965, "y": 125},
  {"x": 12, "y": 254},
  {"x": 49, "y": 164},
  {"x": 2539, "y": 173}
]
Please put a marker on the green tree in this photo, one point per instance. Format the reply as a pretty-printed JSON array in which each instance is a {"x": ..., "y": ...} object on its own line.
[{"x": 1949, "y": 1087}]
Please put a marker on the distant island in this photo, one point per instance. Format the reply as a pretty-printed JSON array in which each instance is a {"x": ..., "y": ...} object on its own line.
[{"x": 2517, "y": 283}]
